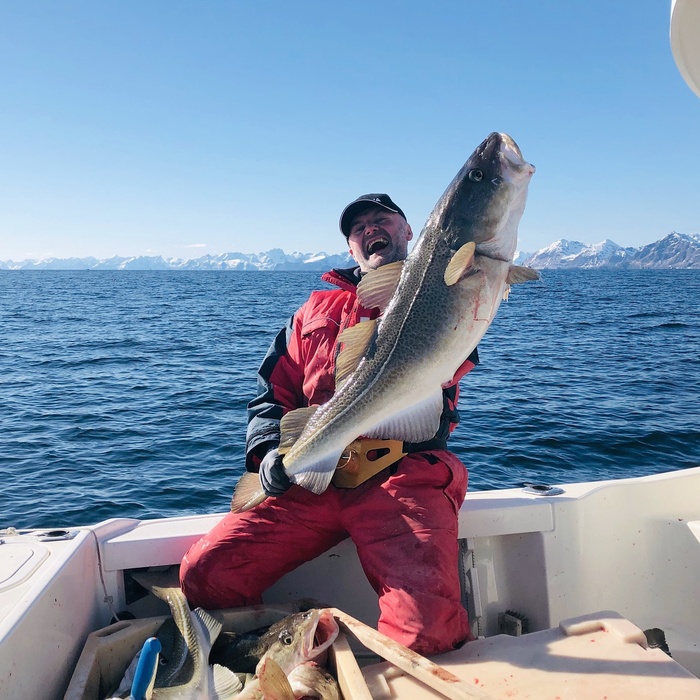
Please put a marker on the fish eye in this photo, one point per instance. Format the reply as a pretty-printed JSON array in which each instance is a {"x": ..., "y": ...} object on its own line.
[
  {"x": 475, "y": 175},
  {"x": 285, "y": 638}
]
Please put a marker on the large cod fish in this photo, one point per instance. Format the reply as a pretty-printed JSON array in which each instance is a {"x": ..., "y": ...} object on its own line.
[
  {"x": 436, "y": 306},
  {"x": 188, "y": 676}
]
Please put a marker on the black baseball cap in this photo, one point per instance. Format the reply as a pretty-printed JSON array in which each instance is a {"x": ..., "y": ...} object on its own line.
[{"x": 364, "y": 202}]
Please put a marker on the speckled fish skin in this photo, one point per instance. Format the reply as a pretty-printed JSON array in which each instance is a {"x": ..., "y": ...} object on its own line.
[{"x": 429, "y": 327}]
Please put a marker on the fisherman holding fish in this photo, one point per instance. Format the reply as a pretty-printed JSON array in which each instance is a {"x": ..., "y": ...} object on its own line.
[{"x": 356, "y": 400}]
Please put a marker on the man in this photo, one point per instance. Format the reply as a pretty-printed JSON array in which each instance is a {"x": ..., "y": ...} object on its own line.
[{"x": 403, "y": 520}]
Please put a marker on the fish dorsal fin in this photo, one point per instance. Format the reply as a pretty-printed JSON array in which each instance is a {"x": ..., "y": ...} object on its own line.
[
  {"x": 292, "y": 425},
  {"x": 248, "y": 493},
  {"x": 356, "y": 341},
  {"x": 460, "y": 264},
  {"x": 211, "y": 627},
  {"x": 226, "y": 683},
  {"x": 273, "y": 680},
  {"x": 517, "y": 274},
  {"x": 378, "y": 286}
]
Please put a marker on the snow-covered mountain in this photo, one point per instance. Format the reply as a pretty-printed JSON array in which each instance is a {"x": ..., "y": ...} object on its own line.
[
  {"x": 563, "y": 253},
  {"x": 275, "y": 259},
  {"x": 677, "y": 250},
  {"x": 520, "y": 257}
]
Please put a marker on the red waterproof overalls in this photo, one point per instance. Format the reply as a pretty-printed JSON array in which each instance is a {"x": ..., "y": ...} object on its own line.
[{"x": 403, "y": 521}]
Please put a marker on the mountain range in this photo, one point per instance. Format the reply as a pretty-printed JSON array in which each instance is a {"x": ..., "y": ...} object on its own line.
[
  {"x": 675, "y": 251},
  {"x": 275, "y": 259}
]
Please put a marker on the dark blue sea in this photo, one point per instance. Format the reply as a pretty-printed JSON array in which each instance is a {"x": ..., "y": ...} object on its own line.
[{"x": 124, "y": 393}]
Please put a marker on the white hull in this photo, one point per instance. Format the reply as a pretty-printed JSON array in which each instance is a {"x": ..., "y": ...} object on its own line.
[{"x": 632, "y": 546}]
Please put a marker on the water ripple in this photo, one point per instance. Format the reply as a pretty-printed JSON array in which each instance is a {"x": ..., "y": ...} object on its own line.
[{"x": 124, "y": 393}]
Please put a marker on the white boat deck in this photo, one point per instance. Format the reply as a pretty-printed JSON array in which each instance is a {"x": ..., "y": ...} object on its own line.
[{"x": 631, "y": 546}]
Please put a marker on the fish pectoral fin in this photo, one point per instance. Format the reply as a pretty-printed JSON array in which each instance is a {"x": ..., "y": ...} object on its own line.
[
  {"x": 211, "y": 627},
  {"x": 356, "y": 341},
  {"x": 248, "y": 493},
  {"x": 226, "y": 683},
  {"x": 517, "y": 274},
  {"x": 461, "y": 264},
  {"x": 317, "y": 477},
  {"x": 292, "y": 426},
  {"x": 273, "y": 681},
  {"x": 376, "y": 288},
  {"x": 417, "y": 423}
]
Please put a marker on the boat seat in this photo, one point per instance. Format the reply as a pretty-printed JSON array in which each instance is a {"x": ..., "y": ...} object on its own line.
[{"x": 154, "y": 540}]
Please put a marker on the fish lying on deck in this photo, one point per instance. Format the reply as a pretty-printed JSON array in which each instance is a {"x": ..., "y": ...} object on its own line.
[
  {"x": 436, "y": 306},
  {"x": 296, "y": 639},
  {"x": 192, "y": 678}
]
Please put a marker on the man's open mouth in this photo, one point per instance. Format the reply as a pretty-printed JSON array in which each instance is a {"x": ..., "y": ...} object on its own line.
[{"x": 376, "y": 245}]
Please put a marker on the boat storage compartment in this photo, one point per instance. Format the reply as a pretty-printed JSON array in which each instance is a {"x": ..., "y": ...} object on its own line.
[
  {"x": 108, "y": 651},
  {"x": 596, "y": 656}
]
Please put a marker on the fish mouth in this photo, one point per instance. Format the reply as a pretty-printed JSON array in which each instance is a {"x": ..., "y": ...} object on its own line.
[
  {"x": 512, "y": 165},
  {"x": 504, "y": 155},
  {"x": 510, "y": 148},
  {"x": 321, "y": 634}
]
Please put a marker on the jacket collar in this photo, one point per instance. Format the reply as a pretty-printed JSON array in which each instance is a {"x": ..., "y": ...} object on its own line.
[{"x": 345, "y": 278}]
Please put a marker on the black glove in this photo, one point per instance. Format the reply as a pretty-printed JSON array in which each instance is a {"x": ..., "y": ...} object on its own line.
[{"x": 273, "y": 477}]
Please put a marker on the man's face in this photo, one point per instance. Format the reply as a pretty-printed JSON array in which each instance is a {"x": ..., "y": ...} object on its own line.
[{"x": 378, "y": 237}]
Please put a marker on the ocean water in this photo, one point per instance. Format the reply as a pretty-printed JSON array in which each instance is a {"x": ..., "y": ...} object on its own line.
[{"x": 123, "y": 394}]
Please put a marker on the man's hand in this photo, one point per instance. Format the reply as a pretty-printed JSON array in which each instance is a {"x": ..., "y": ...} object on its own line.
[{"x": 273, "y": 478}]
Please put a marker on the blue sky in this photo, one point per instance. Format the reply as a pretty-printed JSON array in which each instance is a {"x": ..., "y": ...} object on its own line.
[{"x": 186, "y": 128}]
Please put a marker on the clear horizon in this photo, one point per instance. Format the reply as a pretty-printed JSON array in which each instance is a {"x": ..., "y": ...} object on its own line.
[
  {"x": 305, "y": 253},
  {"x": 181, "y": 131}
]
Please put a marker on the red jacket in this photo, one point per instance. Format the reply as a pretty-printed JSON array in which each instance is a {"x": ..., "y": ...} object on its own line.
[{"x": 299, "y": 368}]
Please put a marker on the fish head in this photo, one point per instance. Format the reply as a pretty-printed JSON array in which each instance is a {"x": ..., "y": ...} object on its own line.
[
  {"x": 303, "y": 637},
  {"x": 486, "y": 199}
]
